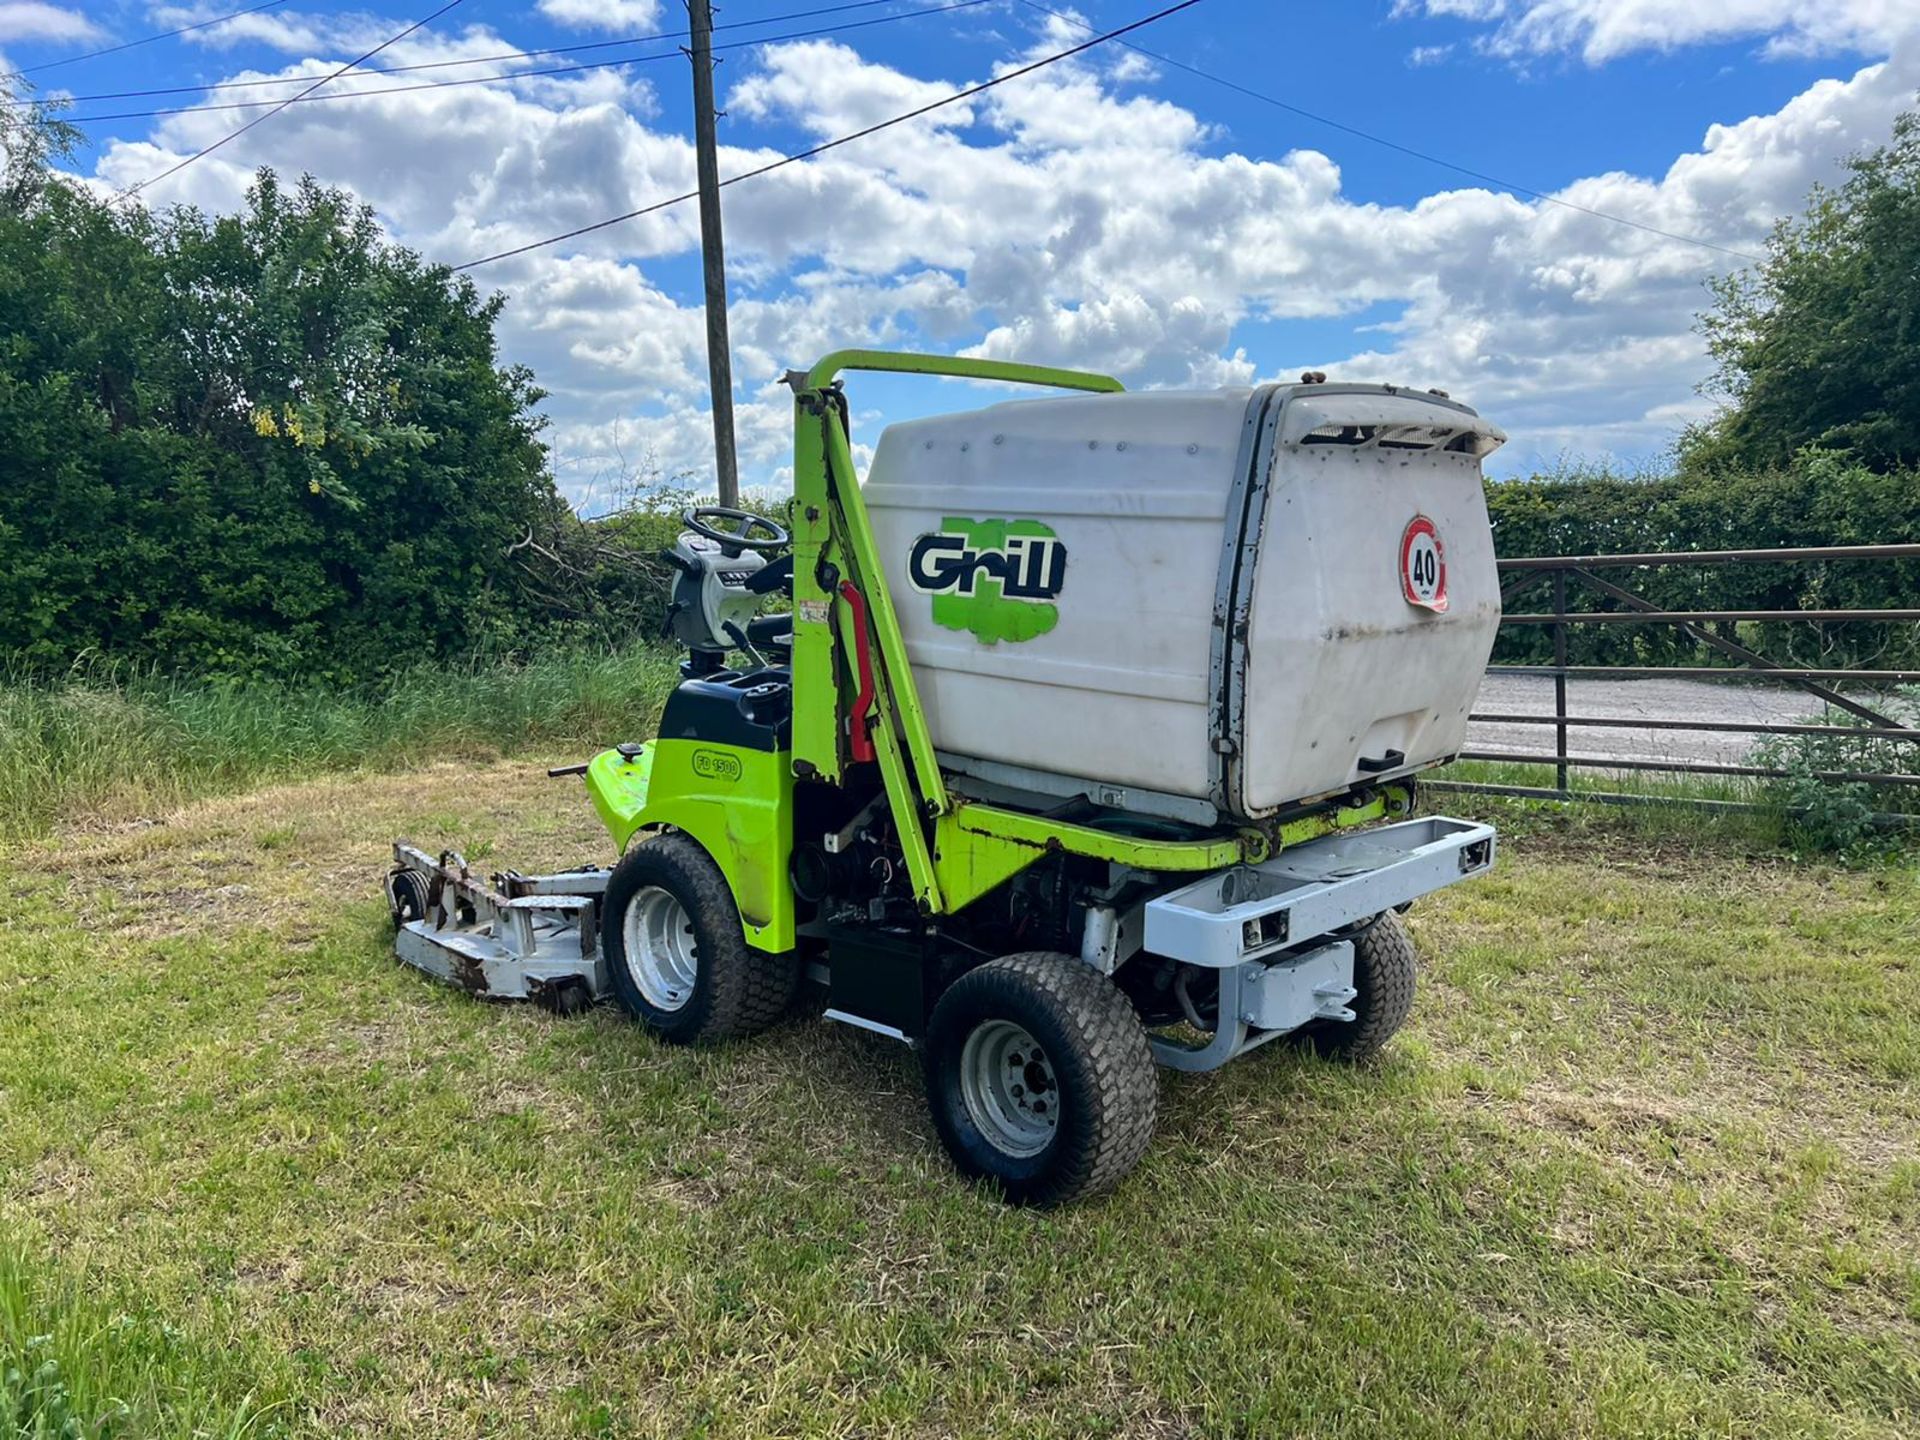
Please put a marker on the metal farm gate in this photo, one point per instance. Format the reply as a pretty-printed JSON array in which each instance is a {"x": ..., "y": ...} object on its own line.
[{"x": 1523, "y": 576}]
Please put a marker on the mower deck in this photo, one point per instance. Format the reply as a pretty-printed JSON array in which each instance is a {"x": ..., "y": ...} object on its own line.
[{"x": 511, "y": 937}]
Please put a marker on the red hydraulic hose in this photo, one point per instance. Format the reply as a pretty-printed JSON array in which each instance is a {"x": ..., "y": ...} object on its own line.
[{"x": 858, "y": 740}]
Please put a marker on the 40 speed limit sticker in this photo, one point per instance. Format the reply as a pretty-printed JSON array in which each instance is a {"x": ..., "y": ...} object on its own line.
[{"x": 1423, "y": 566}]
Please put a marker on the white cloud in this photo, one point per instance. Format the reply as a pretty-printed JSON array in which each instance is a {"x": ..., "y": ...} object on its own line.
[
  {"x": 1065, "y": 217},
  {"x": 860, "y": 95},
  {"x": 636, "y": 15},
  {"x": 36, "y": 20},
  {"x": 291, "y": 32},
  {"x": 1459, "y": 9},
  {"x": 1603, "y": 30}
]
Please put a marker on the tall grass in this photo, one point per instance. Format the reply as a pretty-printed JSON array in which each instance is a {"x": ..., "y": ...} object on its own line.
[
  {"x": 1667, "y": 803},
  {"x": 119, "y": 743},
  {"x": 1851, "y": 821},
  {"x": 73, "y": 1367}
]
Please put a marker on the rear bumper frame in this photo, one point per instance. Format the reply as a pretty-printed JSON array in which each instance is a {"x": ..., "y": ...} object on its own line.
[{"x": 1279, "y": 934}]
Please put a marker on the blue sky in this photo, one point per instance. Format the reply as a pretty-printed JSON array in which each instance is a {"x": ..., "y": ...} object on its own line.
[{"x": 1107, "y": 211}]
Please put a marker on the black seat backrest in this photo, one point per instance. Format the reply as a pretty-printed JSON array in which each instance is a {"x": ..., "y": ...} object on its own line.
[{"x": 771, "y": 629}]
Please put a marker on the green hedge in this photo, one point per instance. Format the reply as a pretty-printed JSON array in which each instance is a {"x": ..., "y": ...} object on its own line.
[{"x": 1821, "y": 500}]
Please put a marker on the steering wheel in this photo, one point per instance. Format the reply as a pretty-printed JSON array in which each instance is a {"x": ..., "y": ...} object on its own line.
[{"x": 741, "y": 536}]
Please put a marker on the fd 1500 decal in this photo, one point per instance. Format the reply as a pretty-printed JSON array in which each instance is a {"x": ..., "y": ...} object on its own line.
[{"x": 995, "y": 578}]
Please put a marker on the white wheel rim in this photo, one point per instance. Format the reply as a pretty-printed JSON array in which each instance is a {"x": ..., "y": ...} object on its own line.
[
  {"x": 662, "y": 955},
  {"x": 1008, "y": 1087}
]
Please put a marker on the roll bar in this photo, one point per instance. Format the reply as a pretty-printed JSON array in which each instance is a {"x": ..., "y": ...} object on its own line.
[{"x": 904, "y": 363}]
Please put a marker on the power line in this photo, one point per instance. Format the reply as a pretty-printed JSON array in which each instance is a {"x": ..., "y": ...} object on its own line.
[
  {"x": 309, "y": 99},
  {"x": 304, "y": 99},
  {"x": 835, "y": 144},
  {"x": 134, "y": 44},
  {"x": 178, "y": 166},
  {"x": 507, "y": 55},
  {"x": 1493, "y": 180}
]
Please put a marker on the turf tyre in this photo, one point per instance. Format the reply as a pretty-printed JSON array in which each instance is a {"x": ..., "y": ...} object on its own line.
[
  {"x": 1102, "y": 1071},
  {"x": 1384, "y": 977},
  {"x": 736, "y": 989}
]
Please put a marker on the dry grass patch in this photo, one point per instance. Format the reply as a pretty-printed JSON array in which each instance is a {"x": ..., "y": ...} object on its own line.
[{"x": 282, "y": 859}]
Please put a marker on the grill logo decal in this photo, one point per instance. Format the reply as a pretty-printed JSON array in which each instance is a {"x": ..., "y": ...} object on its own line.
[{"x": 996, "y": 578}]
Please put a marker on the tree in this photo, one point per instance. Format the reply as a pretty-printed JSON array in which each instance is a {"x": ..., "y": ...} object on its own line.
[
  {"x": 31, "y": 138},
  {"x": 1819, "y": 344},
  {"x": 268, "y": 442}
]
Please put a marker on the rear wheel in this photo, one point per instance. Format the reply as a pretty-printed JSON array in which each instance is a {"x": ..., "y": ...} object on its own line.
[
  {"x": 1039, "y": 1078},
  {"x": 1383, "y": 979},
  {"x": 676, "y": 954}
]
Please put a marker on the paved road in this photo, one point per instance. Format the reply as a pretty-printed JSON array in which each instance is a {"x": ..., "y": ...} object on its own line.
[{"x": 1636, "y": 699}]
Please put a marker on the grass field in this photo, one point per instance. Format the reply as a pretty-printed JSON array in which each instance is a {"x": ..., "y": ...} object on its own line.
[
  {"x": 105, "y": 743},
  {"x": 1645, "y": 1162}
]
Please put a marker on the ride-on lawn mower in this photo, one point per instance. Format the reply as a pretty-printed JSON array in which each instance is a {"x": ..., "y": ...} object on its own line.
[{"x": 1089, "y": 741}]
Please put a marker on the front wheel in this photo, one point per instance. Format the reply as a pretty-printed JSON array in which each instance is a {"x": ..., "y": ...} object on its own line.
[
  {"x": 1040, "y": 1078},
  {"x": 676, "y": 954},
  {"x": 407, "y": 897}
]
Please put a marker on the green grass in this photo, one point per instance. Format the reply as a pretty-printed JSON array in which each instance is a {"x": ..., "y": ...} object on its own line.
[
  {"x": 74, "y": 1367},
  {"x": 1796, "y": 816},
  {"x": 1668, "y": 805},
  {"x": 1797, "y": 812},
  {"x": 1645, "y": 1162},
  {"x": 129, "y": 744}
]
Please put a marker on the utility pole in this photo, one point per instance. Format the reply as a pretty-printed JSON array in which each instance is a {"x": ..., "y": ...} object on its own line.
[{"x": 713, "y": 251}]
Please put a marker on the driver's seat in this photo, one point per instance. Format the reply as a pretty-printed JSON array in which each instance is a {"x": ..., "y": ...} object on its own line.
[{"x": 773, "y": 633}]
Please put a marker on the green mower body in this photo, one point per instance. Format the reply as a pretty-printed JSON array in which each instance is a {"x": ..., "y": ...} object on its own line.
[{"x": 795, "y": 819}]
